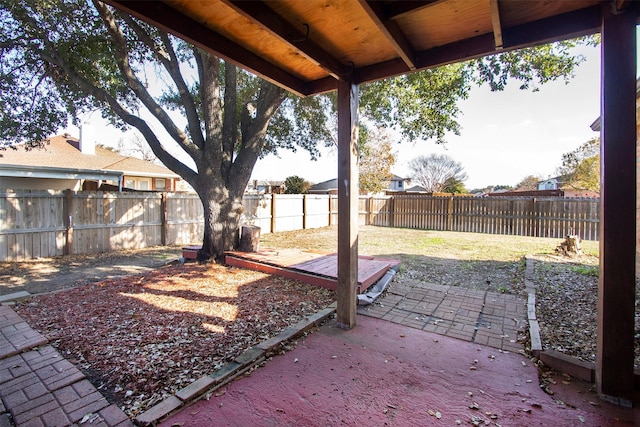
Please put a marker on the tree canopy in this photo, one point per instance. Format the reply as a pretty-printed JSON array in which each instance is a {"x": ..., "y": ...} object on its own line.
[
  {"x": 60, "y": 59},
  {"x": 296, "y": 185},
  {"x": 528, "y": 183},
  {"x": 580, "y": 168},
  {"x": 437, "y": 172},
  {"x": 376, "y": 158}
]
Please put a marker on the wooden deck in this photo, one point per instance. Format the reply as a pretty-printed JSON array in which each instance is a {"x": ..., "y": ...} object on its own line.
[{"x": 315, "y": 268}]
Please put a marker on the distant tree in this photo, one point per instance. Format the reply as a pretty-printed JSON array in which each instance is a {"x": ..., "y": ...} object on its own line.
[
  {"x": 581, "y": 168},
  {"x": 434, "y": 171},
  {"x": 296, "y": 185},
  {"x": 528, "y": 183},
  {"x": 455, "y": 186},
  {"x": 376, "y": 159},
  {"x": 502, "y": 187},
  {"x": 136, "y": 147}
]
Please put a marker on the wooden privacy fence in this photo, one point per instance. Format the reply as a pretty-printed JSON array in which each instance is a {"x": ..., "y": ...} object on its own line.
[
  {"x": 537, "y": 217},
  {"x": 51, "y": 223},
  {"x": 46, "y": 223}
]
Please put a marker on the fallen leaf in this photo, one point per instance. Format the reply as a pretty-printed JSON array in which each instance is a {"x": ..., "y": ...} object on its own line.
[{"x": 581, "y": 418}]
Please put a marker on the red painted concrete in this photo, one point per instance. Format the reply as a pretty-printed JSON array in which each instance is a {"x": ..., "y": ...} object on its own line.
[{"x": 382, "y": 373}]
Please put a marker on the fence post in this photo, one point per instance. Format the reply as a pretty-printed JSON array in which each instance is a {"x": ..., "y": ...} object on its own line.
[
  {"x": 273, "y": 212},
  {"x": 369, "y": 214},
  {"x": 450, "y": 214},
  {"x": 304, "y": 211},
  {"x": 330, "y": 211},
  {"x": 163, "y": 219},
  {"x": 392, "y": 213},
  {"x": 534, "y": 218},
  {"x": 67, "y": 210}
]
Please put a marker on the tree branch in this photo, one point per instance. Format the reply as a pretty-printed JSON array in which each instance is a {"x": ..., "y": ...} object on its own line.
[
  {"x": 122, "y": 58},
  {"x": 211, "y": 107},
  {"x": 229, "y": 127},
  {"x": 168, "y": 58},
  {"x": 101, "y": 94}
]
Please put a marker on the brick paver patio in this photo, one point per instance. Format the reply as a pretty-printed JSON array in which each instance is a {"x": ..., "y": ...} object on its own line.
[
  {"x": 482, "y": 317},
  {"x": 38, "y": 387}
]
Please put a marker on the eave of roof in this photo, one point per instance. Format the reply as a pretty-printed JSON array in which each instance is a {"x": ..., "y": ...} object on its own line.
[
  {"x": 307, "y": 46},
  {"x": 58, "y": 172}
]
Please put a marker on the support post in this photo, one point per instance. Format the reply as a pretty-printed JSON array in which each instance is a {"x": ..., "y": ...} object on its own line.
[
  {"x": 304, "y": 211},
  {"x": 347, "y": 204},
  {"x": 273, "y": 212},
  {"x": 67, "y": 211},
  {"x": 616, "y": 289},
  {"x": 163, "y": 219}
]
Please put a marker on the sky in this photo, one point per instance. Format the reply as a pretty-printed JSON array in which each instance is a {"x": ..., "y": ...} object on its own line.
[{"x": 505, "y": 136}]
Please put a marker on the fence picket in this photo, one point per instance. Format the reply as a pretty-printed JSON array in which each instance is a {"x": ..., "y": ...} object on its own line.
[{"x": 33, "y": 223}]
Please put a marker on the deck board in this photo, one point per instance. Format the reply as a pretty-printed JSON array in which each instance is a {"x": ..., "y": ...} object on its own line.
[{"x": 320, "y": 269}]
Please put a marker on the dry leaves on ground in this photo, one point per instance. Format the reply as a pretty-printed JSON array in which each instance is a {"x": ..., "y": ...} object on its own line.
[
  {"x": 141, "y": 338},
  {"x": 566, "y": 305}
]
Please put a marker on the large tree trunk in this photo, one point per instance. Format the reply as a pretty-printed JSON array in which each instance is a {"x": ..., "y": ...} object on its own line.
[{"x": 222, "y": 213}]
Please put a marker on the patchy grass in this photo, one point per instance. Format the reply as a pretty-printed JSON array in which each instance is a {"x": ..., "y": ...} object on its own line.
[{"x": 472, "y": 260}]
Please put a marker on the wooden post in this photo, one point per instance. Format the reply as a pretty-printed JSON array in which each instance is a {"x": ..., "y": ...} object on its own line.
[
  {"x": 67, "y": 211},
  {"x": 450, "y": 214},
  {"x": 163, "y": 219},
  {"x": 273, "y": 213},
  {"x": 534, "y": 218},
  {"x": 616, "y": 290},
  {"x": 304, "y": 211},
  {"x": 347, "y": 204},
  {"x": 370, "y": 216}
]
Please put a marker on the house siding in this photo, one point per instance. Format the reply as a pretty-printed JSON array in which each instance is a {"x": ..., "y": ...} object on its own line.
[{"x": 19, "y": 183}]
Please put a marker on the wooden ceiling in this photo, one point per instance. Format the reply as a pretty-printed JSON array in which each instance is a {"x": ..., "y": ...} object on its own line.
[{"x": 306, "y": 45}]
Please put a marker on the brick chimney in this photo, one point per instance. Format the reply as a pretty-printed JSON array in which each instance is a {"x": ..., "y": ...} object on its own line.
[{"x": 87, "y": 139}]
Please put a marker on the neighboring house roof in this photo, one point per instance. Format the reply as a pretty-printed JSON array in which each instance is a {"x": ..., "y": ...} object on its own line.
[
  {"x": 331, "y": 184},
  {"x": 63, "y": 153},
  {"x": 558, "y": 179},
  {"x": 417, "y": 188}
]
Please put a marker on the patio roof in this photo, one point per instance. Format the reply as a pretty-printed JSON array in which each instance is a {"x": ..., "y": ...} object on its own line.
[
  {"x": 315, "y": 46},
  {"x": 307, "y": 46}
]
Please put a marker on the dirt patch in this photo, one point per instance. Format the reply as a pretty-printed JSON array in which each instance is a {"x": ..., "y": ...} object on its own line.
[
  {"x": 567, "y": 305},
  {"x": 53, "y": 274}
]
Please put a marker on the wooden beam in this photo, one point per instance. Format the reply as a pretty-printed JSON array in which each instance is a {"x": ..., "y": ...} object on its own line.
[
  {"x": 616, "y": 288},
  {"x": 398, "y": 9},
  {"x": 495, "y": 22},
  {"x": 298, "y": 38},
  {"x": 568, "y": 25},
  {"x": 347, "y": 204},
  {"x": 172, "y": 21},
  {"x": 391, "y": 30},
  {"x": 573, "y": 24}
]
